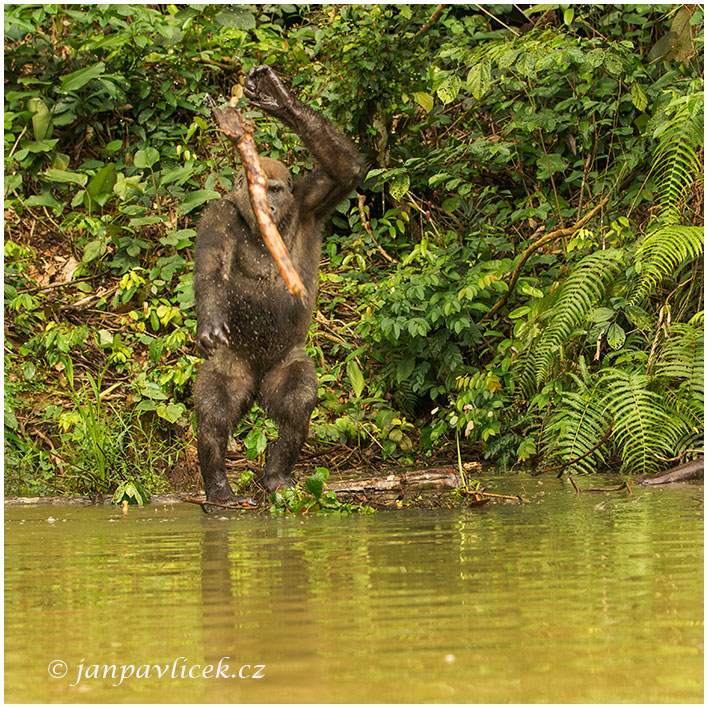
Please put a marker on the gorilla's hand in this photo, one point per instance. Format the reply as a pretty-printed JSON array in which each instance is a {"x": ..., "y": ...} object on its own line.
[
  {"x": 266, "y": 91},
  {"x": 211, "y": 336}
]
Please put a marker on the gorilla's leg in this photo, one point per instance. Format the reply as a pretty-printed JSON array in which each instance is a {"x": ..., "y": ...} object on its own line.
[
  {"x": 223, "y": 393},
  {"x": 288, "y": 395}
]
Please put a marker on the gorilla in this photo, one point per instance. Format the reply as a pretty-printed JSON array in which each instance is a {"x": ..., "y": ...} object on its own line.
[{"x": 250, "y": 328}]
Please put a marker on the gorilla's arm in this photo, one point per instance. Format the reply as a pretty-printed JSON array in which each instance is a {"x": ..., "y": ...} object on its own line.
[
  {"x": 213, "y": 256},
  {"x": 340, "y": 167}
]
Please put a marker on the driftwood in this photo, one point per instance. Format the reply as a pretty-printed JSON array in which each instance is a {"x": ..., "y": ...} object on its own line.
[
  {"x": 413, "y": 480},
  {"x": 443, "y": 479},
  {"x": 691, "y": 470},
  {"x": 242, "y": 503},
  {"x": 235, "y": 126}
]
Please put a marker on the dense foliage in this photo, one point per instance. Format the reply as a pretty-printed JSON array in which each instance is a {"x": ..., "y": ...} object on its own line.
[{"x": 520, "y": 275}]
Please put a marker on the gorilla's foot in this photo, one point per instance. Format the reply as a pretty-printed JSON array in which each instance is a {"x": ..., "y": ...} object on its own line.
[
  {"x": 220, "y": 493},
  {"x": 274, "y": 483}
]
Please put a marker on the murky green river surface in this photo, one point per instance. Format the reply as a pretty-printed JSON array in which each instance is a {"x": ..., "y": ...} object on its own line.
[{"x": 596, "y": 598}]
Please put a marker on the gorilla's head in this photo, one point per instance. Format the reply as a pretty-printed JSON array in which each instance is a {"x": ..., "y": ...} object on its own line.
[{"x": 280, "y": 196}]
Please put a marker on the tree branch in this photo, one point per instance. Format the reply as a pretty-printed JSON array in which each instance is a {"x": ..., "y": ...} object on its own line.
[
  {"x": 534, "y": 246},
  {"x": 434, "y": 18}
]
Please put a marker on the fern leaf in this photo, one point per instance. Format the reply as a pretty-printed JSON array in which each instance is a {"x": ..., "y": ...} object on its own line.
[
  {"x": 675, "y": 161},
  {"x": 581, "y": 291},
  {"x": 577, "y": 426},
  {"x": 661, "y": 252},
  {"x": 682, "y": 356},
  {"x": 680, "y": 370},
  {"x": 643, "y": 431}
]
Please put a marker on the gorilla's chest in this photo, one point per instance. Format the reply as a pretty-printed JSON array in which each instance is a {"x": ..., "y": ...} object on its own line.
[{"x": 265, "y": 320}]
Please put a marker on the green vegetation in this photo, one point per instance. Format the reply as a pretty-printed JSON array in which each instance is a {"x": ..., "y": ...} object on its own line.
[
  {"x": 521, "y": 272},
  {"x": 313, "y": 496}
]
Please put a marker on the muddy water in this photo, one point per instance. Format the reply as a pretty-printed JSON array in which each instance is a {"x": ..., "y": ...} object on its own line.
[{"x": 597, "y": 598}]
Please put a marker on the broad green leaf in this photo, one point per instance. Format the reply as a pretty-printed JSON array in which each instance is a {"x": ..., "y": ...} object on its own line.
[
  {"x": 94, "y": 250},
  {"x": 478, "y": 81},
  {"x": 314, "y": 485},
  {"x": 42, "y": 124},
  {"x": 449, "y": 88},
  {"x": 399, "y": 186},
  {"x": 615, "y": 336},
  {"x": 146, "y": 158},
  {"x": 102, "y": 182},
  {"x": 238, "y": 18},
  {"x": 356, "y": 377},
  {"x": 424, "y": 100},
  {"x": 170, "y": 412},
  {"x": 12, "y": 183},
  {"x": 404, "y": 368},
  {"x": 639, "y": 317},
  {"x": 77, "y": 79},
  {"x": 550, "y": 164},
  {"x": 197, "y": 199},
  {"x": 178, "y": 175},
  {"x": 519, "y": 312},
  {"x": 126, "y": 188},
  {"x": 65, "y": 176},
  {"x": 46, "y": 199},
  {"x": 113, "y": 146},
  {"x": 613, "y": 64},
  {"x": 638, "y": 97},
  {"x": 36, "y": 146},
  {"x": 153, "y": 391},
  {"x": 600, "y": 315}
]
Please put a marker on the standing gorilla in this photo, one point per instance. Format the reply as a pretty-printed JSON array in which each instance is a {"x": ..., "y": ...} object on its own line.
[{"x": 251, "y": 329}]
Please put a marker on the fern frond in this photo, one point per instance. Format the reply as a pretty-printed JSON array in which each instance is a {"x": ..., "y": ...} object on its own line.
[
  {"x": 661, "y": 252},
  {"x": 682, "y": 357},
  {"x": 643, "y": 431},
  {"x": 581, "y": 291},
  {"x": 577, "y": 426},
  {"x": 675, "y": 160},
  {"x": 679, "y": 369}
]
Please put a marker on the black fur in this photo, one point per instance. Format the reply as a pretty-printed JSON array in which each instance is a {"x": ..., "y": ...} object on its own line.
[{"x": 251, "y": 329}]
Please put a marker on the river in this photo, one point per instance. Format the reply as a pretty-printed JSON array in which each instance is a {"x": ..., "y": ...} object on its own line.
[{"x": 590, "y": 598}]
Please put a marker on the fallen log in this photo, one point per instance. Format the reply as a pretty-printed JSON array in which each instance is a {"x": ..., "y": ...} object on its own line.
[
  {"x": 691, "y": 470},
  {"x": 413, "y": 480}
]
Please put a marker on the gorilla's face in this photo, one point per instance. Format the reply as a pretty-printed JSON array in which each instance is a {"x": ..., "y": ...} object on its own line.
[{"x": 280, "y": 197}]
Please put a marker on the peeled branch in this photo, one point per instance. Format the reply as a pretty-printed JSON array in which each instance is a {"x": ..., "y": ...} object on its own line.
[{"x": 235, "y": 126}]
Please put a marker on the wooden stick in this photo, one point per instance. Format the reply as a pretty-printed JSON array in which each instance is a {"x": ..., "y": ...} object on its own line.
[
  {"x": 235, "y": 126},
  {"x": 516, "y": 498},
  {"x": 434, "y": 18},
  {"x": 624, "y": 486}
]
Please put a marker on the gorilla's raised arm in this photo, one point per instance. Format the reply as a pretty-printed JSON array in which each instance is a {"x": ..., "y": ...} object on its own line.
[{"x": 339, "y": 167}]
